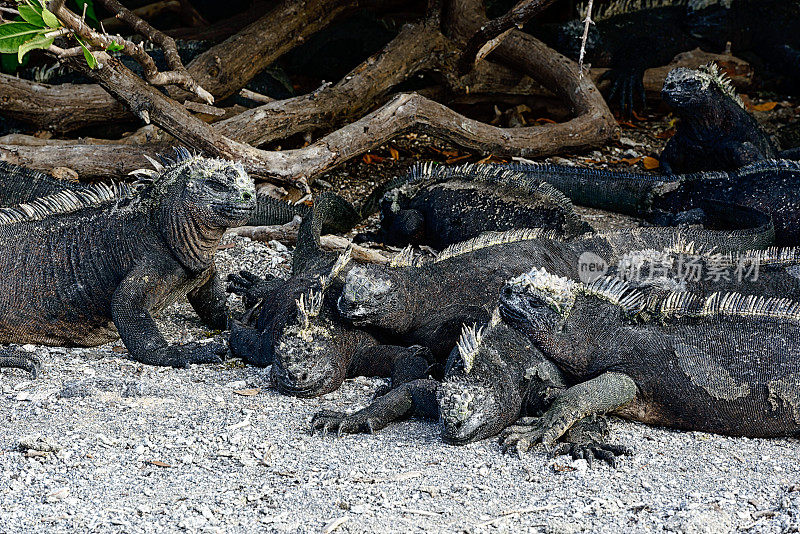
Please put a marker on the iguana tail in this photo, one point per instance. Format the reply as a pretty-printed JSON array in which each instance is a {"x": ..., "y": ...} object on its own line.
[
  {"x": 329, "y": 210},
  {"x": 621, "y": 192}
]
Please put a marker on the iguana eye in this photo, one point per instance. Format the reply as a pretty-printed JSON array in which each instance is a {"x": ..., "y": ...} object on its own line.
[{"x": 214, "y": 185}]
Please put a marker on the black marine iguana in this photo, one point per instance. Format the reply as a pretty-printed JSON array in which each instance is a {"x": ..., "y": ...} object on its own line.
[
  {"x": 92, "y": 265},
  {"x": 297, "y": 329},
  {"x": 715, "y": 132},
  {"x": 440, "y": 205},
  {"x": 495, "y": 374},
  {"x": 771, "y": 186},
  {"x": 728, "y": 363},
  {"x": 426, "y": 302},
  {"x": 492, "y": 377},
  {"x": 630, "y": 36},
  {"x": 20, "y": 185}
]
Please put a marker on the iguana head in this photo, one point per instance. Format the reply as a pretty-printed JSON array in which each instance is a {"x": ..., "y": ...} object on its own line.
[
  {"x": 694, "y": 91},
  {"x": 374, "y": 295},
  {"x": 479, "y": 396},
  {"x": 307, "y": 350},
  {"x": 215, "y": 192},
  {"x": 537, "y": 301},
  {"x": 194, "y": 200}
]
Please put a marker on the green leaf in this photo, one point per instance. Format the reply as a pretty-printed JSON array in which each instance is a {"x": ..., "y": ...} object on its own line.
[
  {"x": 13, "y": 34},
  {"x": 115, "y": 47},
  {"x": 30, "y": 14},
  {"x": 90, "y": 59},
  {"x": 50, "y": 19},
  {"x": 9, "y": 63},
  {"x": 39, "y": 42}
]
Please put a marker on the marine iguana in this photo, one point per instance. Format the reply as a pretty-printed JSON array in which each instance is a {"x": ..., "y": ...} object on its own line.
[
  {"x": 728, "y": 363},
  {"x": 495, "y": 374},
  {"x": 20, "y": 185},
  {"x": 630, "y": 36},
  {"x": 426, "y": 302},
  {"x": 771, "y": 186},
  {"x": 440, "y": 205},
  {"x": 492, "y": 377},
  {"x": 297, "y": 329},
  {"x": 93, "y": 265},
  {"x": 715, "y": 132}
]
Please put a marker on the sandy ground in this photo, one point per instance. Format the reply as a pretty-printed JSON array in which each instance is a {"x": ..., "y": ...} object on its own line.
[{"x": 102, "y": 444}]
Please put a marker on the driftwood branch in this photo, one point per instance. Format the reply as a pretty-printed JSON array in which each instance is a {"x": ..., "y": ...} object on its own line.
[
  {"x": 178, "y": 74},
  {"x": 431, "y": 45},
  {"x": 287, "y": 234},
  {"x": 491, "y": 34}
]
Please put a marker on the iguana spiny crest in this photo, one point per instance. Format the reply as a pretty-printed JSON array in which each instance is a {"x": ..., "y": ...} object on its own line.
[
  {"x": 705, "y": 77},
  {"x": 559, "y": 294}
]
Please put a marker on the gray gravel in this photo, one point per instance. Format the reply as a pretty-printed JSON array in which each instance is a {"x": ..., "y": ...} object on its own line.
[{"x": 103, "y": 444}]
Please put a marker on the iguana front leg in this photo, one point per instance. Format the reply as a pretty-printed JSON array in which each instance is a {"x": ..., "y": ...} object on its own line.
[
  {"x": 20, "y": 360},
  {"x": 598, "y": 395},
  {"x": 209, "y": 301},
  {"x": 417, "y": 397},
  {"x": 130, "y": 311}
]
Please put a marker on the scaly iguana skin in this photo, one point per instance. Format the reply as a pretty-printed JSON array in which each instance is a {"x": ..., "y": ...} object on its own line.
[
  {"x": 727, "y": 364},
  {"x": 715, "y": 132},
  {"x": 297, "y": 329},
  {"x": 438, "y": 205},
  {"x": 496, "y": 375},
  {"x": 93, "y": 265},
  {"x": 771, "y": 186}
]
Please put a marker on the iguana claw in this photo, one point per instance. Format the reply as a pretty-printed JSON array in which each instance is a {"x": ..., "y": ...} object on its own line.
[
  {"x": 343, "y": 423},
  {"x": 592, "y": 451}
]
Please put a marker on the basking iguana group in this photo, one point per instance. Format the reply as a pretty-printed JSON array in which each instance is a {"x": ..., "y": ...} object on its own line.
[{"x": 527, "y": 323}]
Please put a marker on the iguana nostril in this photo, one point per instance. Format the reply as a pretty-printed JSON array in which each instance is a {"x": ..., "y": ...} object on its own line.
[{"x": 247, "y": 196}]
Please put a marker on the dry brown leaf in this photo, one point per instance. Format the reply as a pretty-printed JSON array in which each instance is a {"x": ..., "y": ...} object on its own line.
[
  {"x": 119, "y": 350},
  {"x": 459, "y": 158},
  {"x": 544, "y": 120},
  {"x": 369, "y": 159},
  {"x": 766, "y": 106},
  {"x": 666, "y": 134},
  {"x": 395, "y": 154},
  {"x": 158, "y": 463},
  {"x": 650, "y": 163},
  {"x": 632, "y": 161},
  {"x": 491, "y": 158},
  {"x": 247, "y": 392},
  {"x": 225, "y": 246}
]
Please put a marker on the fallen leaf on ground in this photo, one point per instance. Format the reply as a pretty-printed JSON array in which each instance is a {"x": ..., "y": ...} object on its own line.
[
  {"x": 158, "y": 463},
  {"x": 766, "y": 106},
  {"x": 650, "y": 163}
]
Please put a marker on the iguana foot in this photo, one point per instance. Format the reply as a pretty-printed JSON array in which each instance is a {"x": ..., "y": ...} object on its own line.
[
  {"x": 249, "y": 286},
  {"x": 329, "y": 421},
  {"x": 627, "y": 90},
  {"x": 184, "y": 355},
  {"x": 592, "y": 451},
  {"x": 22, "y": 360},
  {"x": 529, "y": 430}
]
